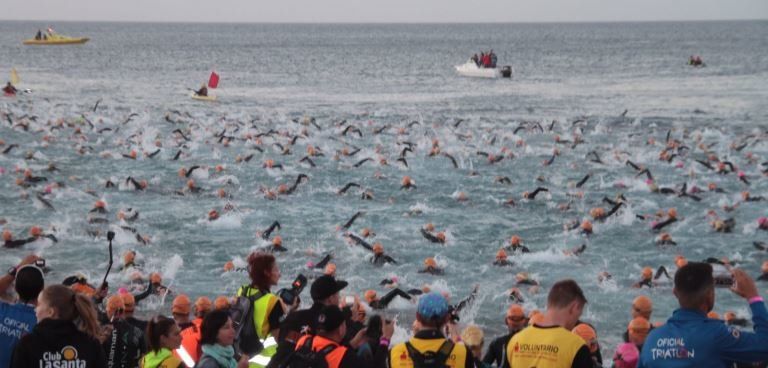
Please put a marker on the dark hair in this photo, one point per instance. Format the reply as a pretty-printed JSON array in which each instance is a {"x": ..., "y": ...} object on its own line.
[
  {"x": 374, "y": 327},
  {"x": 29, "y": 283},
  {"x": 75, "y": 307},
  {"x": 212, "y": 323},
  {"x": 156, "y": 327},
  {"x": 259, "y": 267},
  {"x": 692, "y": 284},
  {"x": 565, "y": 292}
]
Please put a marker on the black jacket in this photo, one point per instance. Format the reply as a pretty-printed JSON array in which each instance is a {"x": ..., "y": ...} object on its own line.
[
  {"x": 53, "y": 343},
  {"x": 497, "y": 351},
  {"x": 125, "y": 346}
]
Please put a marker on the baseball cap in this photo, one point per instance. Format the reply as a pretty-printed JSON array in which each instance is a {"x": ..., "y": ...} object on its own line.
[
  {"x": 432, "y": 306},
  {"x": 325, "y": 286},
  {"x": 330, "y": 318}
]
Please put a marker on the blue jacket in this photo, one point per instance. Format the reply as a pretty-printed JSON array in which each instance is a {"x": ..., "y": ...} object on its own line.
[
  {"x": 16, "y": 320},
  {"x": 690, "y": 339}
]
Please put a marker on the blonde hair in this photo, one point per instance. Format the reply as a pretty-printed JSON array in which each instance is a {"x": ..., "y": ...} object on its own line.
[
  {"x": 472, "y": 336},
  {"x": 71, "y": 306}
]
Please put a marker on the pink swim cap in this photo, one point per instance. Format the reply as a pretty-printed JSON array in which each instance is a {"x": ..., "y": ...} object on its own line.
[
  {"x": 2, "y": 170},
  {"x": 310, "y": 264},
  {"x": 679, "y": 165},
  {"x": 762, "y": 220},
  {"x": 122, "y": 290},
  {"x": 626, "y": 356},
  {"x": 649, "y": 181},
  {"x": 394, "y": 279},
  {"x": 741, "y": 174}
]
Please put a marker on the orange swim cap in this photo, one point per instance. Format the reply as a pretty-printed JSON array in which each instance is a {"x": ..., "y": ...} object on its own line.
[
  {"x": 378, "y": 248},
  {"x": 515, "y": 310},
  {"x": 713, "y": 315},
  {"x": 764, "y": 267},
  {"x": 181, "y": 304},
  {"x": 282, "y": 188},
  {"x": 515, "y": 240},
  {"x": 99, "y": 204},
  {"x": 219, "y": 168},
  {"x": 430, "y": 262},
  {"x": 728, "y": 316},
  {"x": 406, "y": 180},
  {"x": 461, "y": 196},
  {"x": 672, "y": 212},
  {"x": 114, "y": 303},
  {"x": 129, "y": 256},
  {"x": 369, "y": 296},
  {"x": 501, "y": 255},
  {"x": 647, "y": 273},
  {"x": 35, "y": 231},
  {"x": 638, "y": 328},
  {"x": 277, "y": 240},
  {"x": 366, "y": 232},
  {"x": 155, "y": 278},
  {"x": 440, "y": 236},
  {"x": 7, "y": 236},
  {"x": 269, "y": 163},
  {"x": 213, "y": 214},
  {"x": 203, "y": 305},
  {"x": 665, "y": 237},
  {"x": 586, "y": 226},
  {"x": 680, "y": 261},
  {"x": 597, "y": 212},
  {"x": 429, "y": 227},
  {"x": 587, "y": 334},
  {"x": 84, "y": 289},
  {"x": 221, "y": 303},
  {"x": 330, "y": 269},
  {"x": 643, "y": 305},
  {"x": 229, "y": 266},
  {"x": 182, "y": 172},
  {"x": 128, "y": 301},
  {"x": 191, "y": 183}
]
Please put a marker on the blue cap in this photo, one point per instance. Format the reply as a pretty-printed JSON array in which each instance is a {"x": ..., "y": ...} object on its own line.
[{"x": 432, "y": 305}]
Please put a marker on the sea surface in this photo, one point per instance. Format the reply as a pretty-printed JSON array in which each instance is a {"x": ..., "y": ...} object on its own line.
[{"x": 614, "y": 85}]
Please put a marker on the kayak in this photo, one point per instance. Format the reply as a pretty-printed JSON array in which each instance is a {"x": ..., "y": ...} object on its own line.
[
  {"x": 58, "y": 40},
  {"x": 470, "y": 69},
  {"x": 204, "y": 98}
]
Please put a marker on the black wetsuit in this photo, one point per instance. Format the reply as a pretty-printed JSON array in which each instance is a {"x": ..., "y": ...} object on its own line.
[
  {"x": 386, "y": 299},
  {"x": 497, "y": 351},
  {"x": 125, "y": 346},
  {"x": 381, "y": 259},
  {"x": 430, "y": 237}
]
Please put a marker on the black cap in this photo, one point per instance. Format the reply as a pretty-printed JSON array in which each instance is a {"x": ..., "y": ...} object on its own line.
[
  {"x": 330, "y": 318},
  {"x": 325, "y": 286}
]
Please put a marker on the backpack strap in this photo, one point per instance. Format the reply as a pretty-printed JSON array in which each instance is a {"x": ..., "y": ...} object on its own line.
[
  {"x": 445, "y": 351},
  {"x": 415, "y": 355},
  {"x": 244, "y": 292}
]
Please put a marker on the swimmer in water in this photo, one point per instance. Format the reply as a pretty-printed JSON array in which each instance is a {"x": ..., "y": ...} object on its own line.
[
  {"x": 431, "y": 267},
  {"x": 671, "y": 218},
  {"x": 407, "y": 183},
  {"x": 377, "y": 303},
  {"x": 9, "y": 242},
  {"x": 764, "y": 269},
  {"x": 532, "y": 195},
  {"x": 276, "y": 245},
  {"x": 515, "y": 245},
  {"x": 439, "y": 237},
  {"x": 665, "y": 239},
  {"x": 501, "y": 259},
  {"x": 266, "y": 233},
  {"x": 379, "y": 258}
]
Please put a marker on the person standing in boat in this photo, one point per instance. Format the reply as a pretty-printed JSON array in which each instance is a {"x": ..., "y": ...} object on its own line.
[
  {"x": 39, "y": 35},
  {"x": 493, "y": 59},
  {"x": 203, "y": 91},
  {"x": 9, "y": 89},
  {"x": 475, "y": 59}
]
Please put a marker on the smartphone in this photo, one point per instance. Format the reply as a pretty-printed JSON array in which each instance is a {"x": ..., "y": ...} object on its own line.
[
  {"x": 299, "y": 283},
  {"x": 723, "y": 281}
]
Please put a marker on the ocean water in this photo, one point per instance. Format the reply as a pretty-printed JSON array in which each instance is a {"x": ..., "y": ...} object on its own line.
[{"x": 371, "y": 76}]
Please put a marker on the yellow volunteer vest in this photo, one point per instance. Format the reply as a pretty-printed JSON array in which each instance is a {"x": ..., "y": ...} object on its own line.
[
  {"x": 398, "y": 356},
  {"x": 538, "y": 347},
  {"x": 262, "y": 308}
]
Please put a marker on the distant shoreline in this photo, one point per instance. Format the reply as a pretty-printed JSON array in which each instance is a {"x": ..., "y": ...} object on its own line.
[{"x": 171, "y": 22}]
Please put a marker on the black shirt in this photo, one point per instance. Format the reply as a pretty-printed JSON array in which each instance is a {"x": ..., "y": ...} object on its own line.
[{"x": 55, "y": 342}]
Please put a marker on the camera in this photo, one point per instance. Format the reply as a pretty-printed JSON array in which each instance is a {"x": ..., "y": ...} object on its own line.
[
  {"x": 724, "y": 281},
  {"x": 297, "y": 286}
]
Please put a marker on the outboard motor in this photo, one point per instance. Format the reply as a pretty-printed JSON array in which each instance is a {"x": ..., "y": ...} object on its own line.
[{"x": 506, "y": 71}]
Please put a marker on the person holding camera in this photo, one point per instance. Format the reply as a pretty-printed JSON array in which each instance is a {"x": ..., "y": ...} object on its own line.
[
  {"x": 691, "y": 339},
  {"x": 429, "y": 345},
  {"x": 324, "y": 292},
  {"x": 18, "y": 318}
]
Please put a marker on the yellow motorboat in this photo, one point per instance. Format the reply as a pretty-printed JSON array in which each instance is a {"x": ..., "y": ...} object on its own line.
[
  {"x": 56, "y": 39},
  {"x": 210, "y": 98}
]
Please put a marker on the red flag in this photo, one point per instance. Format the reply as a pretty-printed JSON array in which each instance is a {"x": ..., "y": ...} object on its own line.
[{"x": 213, "y": 82}]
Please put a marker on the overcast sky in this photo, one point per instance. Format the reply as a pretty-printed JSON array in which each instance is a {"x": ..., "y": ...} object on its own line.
[{"x": 366, "y": 11}]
